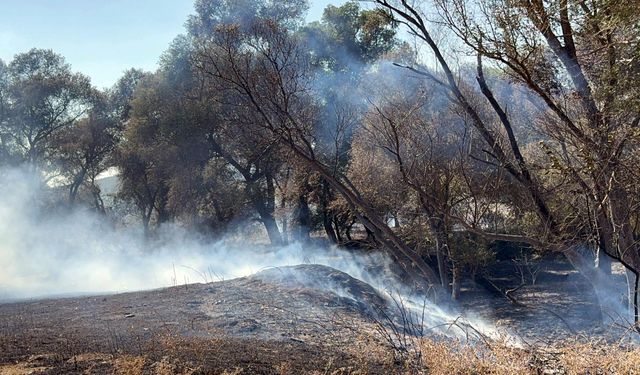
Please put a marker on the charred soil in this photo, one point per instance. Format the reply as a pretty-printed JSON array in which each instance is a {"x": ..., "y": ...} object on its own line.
[{"x": 292, "y": 320}]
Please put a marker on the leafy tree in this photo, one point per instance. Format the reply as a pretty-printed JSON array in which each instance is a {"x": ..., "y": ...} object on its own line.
[
  {"x": 44, "y": 98},
  {"x": 578, "y": 59},
  {"x": 144, "y": 158},
  {"x": 121, "y": 94},
  {"x": 342, "y": 45},
  {"x": 5, "y": 136},
  {"x": 271, "y": 79},
  {"x": 210, "y": 14},
  {"x": 82, "y": 151},
  {"x": 348, "y": 37}
]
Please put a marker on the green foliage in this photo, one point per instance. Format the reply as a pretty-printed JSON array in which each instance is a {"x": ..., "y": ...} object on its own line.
[
  {"x": 121, "y": 94},
  {"x": 470, "y": 251},
  {"x": 348, "y": 36},
  {"x": 210, "y": 14},
  {"x": 42, "y": 96}
]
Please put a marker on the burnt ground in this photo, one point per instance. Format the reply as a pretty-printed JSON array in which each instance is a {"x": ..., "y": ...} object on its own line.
[
  {"x": 255, "y": 324},
  {"x": 277, "y": 321},
  {"x": 560, "y": 303}
]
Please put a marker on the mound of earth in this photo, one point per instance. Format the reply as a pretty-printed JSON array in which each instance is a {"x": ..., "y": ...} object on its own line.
[
  {"x": 348, "y": 290},
  {"x": 309, "y": 314}
]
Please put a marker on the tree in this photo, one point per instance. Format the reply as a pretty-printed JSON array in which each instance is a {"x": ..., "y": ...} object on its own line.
[
  {"x": 539, "y": 44},
  {"x": 144, "y": 158},
  {"x": 81, "y": 152},
  {"x": 265, "y": 70},
  {"x": 5, "y": 145},
  {"x": 348, "y": 38},
  {"x": 121, "y": 94},
  {"x": 209, "y": 14},
  {"x": 342, "y": 45},
  {"x": 44, "y": 97},
  {"x": 410, "y": 126}
]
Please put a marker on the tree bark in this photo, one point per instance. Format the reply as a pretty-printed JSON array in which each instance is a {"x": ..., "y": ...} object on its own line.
[
  {"x": 325, "y": 196},
  {"x": 264, "y": 204},
  {"x": 456, "y": 278},
  {"x": 270, "y": 224},
  {"x": 302, "y": 221},
  {"x": 442, "y": 249}
]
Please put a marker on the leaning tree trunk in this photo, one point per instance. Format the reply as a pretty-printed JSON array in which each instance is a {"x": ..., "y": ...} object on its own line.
[
  {"x": 419, "y": 271},
  {"x": 271, "y": 225}
]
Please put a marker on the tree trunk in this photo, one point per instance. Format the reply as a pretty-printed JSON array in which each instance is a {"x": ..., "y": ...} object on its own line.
[
  {"x": 325, "y": 197},
  {"x": 75, "y": 186},
  {"x": 264, "y": 203},
  {"x": 586, "y": 268},
  {"x": 283, "y": 205},
  {"x": 302, "y": 219},
  {"x": 163, "y": 213},
  {"x": 616, "y": 237},
  {"x": 328, "y": 228},
  {"x": 98, "y": 202},
  {"x": 456, "y": 277},
  {"x": 285, "y": 224},
  {"x": 271, "y": 226},
  {"x": 442, "y": 249},
  {"x": 631, "y": 292},
  {"x": 348, "y": 230},
  {"x": 603, "y": 261},
  {"x": 146, "y": 219},
  {"x": 336, "y": 226}
]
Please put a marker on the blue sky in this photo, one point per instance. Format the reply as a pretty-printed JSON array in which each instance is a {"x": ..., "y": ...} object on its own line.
[{"x": 100, "y": 38}]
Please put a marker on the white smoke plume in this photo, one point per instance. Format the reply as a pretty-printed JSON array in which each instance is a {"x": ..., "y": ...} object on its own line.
[{"x": 53, "y": 253}]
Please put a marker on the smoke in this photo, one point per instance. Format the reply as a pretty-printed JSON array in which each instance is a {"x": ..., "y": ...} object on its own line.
[{"x": 49, "y": 252}]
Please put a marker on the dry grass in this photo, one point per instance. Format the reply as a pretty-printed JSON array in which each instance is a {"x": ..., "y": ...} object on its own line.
[
  {"x": 129, "y": 365},
  {"x": 447, "y": 357},
  {"x": 367, "y": 355},
  {"x": 456, "y": 358},
  {"x": 583, "y": 358}
]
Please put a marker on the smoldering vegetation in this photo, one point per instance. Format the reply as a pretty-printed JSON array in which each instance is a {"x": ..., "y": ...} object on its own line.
[
  {"x": 64, "y": 252},
  {"x": 470, "y": 165},
  {"x": 55, "y": 250}
]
